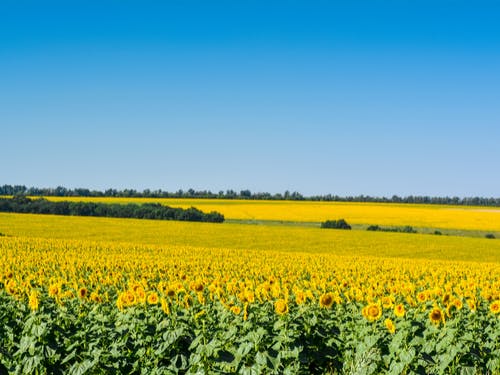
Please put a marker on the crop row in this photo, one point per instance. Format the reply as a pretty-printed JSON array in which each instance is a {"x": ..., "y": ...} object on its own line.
[{"x": 81, "y": 306}]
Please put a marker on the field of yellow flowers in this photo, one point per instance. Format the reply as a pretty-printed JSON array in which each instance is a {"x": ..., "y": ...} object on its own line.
[
  {"x": 386, "y": 214},
  {"x": 99, "y": 295}
]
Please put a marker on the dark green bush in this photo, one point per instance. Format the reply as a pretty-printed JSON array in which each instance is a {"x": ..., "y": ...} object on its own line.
[
  {"x": 405, "y": 229},
  {"x": 154, "y": 211},
  {"x": 335, "y": 224},
  {"x": 490, "y": 236}
]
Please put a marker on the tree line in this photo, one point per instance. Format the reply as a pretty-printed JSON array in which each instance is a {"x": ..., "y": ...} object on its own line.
[
  {"x": 155, "y": 211},
  {"x": 243, "y": 194}
]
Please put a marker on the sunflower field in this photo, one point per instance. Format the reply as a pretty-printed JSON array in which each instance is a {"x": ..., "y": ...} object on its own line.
[
  {"x": 83, "y": 306},
  {"x": 386, "y": 214}
]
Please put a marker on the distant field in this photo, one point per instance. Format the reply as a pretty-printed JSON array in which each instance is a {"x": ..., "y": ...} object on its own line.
[
  {"x": 110, "y": 295},
  {"x": 389, "y": 214},
  {"x": 252, "y": 237},
  {"x": 128, "y": 295}
]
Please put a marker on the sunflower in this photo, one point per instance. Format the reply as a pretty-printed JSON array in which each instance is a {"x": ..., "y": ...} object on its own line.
[
  {"x": 152, "y": 298},
  {"x": 236, "y": 310},
  {"x": 245, "y": 311},
  {"x": 372, "y": 312},
  {"x": 495, "y": 307},
  {"x": 197, "y": 286},
  {"x": 300, "y": 297},
  {"x": 326, "y": 300},
  {"x": 388, "y": 302},
  {"x": 436, "y": 316},
  {"x": 389, "y": 324},
  {"x": 94, "y": 296},
  {"x": 399, "y": 310},
  {"x": 201, "y": 298},
  {"x": 11, "y": 287},
  {"x": 34, "y": 301},
  {"x": 421, "y": 297},
  {"x": 121, "y": 301},
  {"x": 82, "y": 292},
  {"x": 188, "y": 301},
  {"x": 164, "y": 306},
  {"x": 129, "y": 298},
  {"x": 171, "y": 291},
  {"x": 472, "y": 304},
  {"x": 141, "y": 295},
  {"x": 54, "y": 290},
  {"x": 281, "y": 307},
  {"x": 249, "y": 296},
  {"x": 457, "y": 302}
]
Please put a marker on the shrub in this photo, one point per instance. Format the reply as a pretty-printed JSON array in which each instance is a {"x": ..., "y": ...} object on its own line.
[
  {"x": 437, "y": 232},
  {"x": 405, "y": 229},
  {"x": 490, "y": 236},
  {"x": 335, "y": 224},
  {"x": 153, "y": 211}
]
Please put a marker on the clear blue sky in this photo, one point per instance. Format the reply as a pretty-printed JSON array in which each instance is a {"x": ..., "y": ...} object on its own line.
[{"x": 352, "y": 97}]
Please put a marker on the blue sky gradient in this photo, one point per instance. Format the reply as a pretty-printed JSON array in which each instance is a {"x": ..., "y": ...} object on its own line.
[{"x": 358, "y": 97}]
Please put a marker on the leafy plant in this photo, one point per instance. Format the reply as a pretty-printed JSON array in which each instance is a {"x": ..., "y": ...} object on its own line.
[{"x": 335, "y": 224}]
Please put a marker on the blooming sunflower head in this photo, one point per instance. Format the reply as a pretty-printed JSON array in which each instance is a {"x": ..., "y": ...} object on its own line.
[
  {"x": 495, "y": 307},
  {"x": 436, "y": 316},
  {"x": 389, "y": 324},
  {"x": 249, "y": 296},
  {"x": 326, "y": 300},
  {"x": 152, "y": 298},
  {"x": 281, "y": 307},
  {"x": 95, "y": 297},
  {"x": 300, "y": 297},
  {"x": 421, "y": 297},
  {"x": 399, "y": 310},
  {"x": 457, "y": 302},
  {"x": 11, "y": 287},
  {"x": 129, "y": 298},
  {"x": 197, "y": 286},
  {"x": 82, "y": 292},
  {"x": 236, "y": 310},
  {"x": 372, "y": 312},
  {"x": 171, "y": 291},
  {"x": 54, "y": 290},
  {"x": 387, "y": 302}
]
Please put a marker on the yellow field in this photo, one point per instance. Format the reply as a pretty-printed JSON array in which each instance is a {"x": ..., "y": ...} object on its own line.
[
  {"x": 251, "y": 237},
  {"x": 96, "y": 265},
  {"x": 128, "y": 295},
  {"x": 426, "y": 216}
]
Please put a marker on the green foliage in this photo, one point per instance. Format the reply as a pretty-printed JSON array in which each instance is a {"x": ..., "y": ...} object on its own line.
[
  {"x": 490, "y": 236},
  {"x": 405, "y": 229},
  {"x": 61, "y": 191},
  {"x": 154, "y": 211},
  {"x": 336, "y": 224},
  {"x": 80, "y": 338}
]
